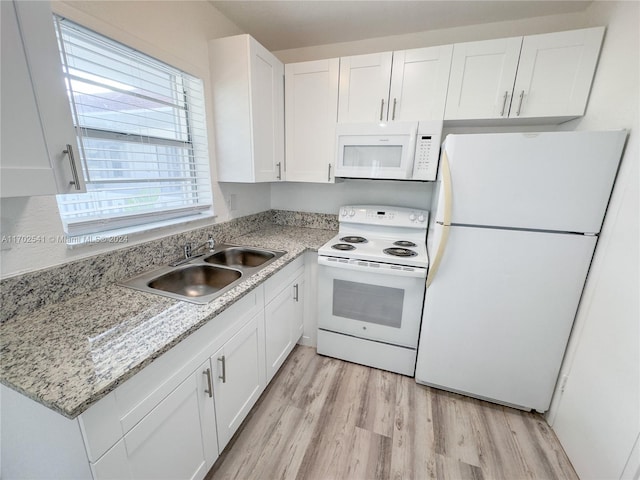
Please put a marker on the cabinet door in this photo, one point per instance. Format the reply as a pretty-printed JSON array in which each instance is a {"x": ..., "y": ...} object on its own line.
[
  {"x": 364, "y": 88},
  {"x": 278, "y": 319},
  {"x": 419, "y": 82},
  {"x": 238, "y": 377},
  {"x": 311, "y": 102},
  {"x": 555, "y": 73},
  {"x": 178, "y": 438},
  {"x": 36, "y": 117},
  {"x": 297, "y": 325},
  {"x": 267, "y": 100},
  {"x": 113, "y": 464},
  {"x": 482, "y": 79}
]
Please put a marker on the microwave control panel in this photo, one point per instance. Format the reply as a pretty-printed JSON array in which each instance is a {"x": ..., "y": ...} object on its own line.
[{"x": 425, "y": 164}]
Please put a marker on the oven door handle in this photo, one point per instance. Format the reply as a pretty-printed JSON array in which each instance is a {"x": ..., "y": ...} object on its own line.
[{"x": 383, "y": 269}]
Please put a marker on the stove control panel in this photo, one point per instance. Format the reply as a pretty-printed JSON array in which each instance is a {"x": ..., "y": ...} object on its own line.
[{"x": 380, "y": 215}]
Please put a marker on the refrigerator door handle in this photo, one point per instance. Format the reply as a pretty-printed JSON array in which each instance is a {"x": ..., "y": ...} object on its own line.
[
  {"x": 435, "y": 265},
  {"x": 446, "y": 217}
]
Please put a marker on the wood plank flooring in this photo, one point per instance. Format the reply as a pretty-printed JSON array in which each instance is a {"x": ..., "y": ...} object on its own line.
[{"x": 322, "y": 418}]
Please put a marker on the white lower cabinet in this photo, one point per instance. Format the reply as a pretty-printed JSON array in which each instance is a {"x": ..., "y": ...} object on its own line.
[
  {"x": 173, "y": 418},
  {"x": 238, "y": 377},
  {"x": 177, "y": 439},
  {"x": 298, "y": 307},
  {"x": 283, "y": 319},
  {"x": 278, "y": 318}
]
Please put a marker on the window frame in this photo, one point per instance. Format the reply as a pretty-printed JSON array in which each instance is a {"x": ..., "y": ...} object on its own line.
[{"x": 196, "y": 184}]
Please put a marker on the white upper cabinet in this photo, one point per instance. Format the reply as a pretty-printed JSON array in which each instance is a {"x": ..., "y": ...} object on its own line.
[
  {"x": 38, "y": 137},
  {"x": 481, "y": 80},
  {"x": 555, "y": 73},
  {"x": 419, "y": 82},
  {"x": 407, "y": 85},
  {"x": 544, "y": 76},
  {"x": 311, "y": 112},
  {"x": 248, "y": 107},
  {"x": 364, "y": 88}
]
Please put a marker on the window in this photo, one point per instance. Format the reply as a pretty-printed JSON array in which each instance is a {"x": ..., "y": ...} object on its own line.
[{"x": 142, "y": 135}]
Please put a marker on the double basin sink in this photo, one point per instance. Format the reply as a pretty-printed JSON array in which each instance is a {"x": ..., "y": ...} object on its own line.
[{"x": 204, "y": 277}]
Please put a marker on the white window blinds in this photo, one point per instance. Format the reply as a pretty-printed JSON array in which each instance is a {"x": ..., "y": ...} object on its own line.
[{"x": 142, "y": 136}]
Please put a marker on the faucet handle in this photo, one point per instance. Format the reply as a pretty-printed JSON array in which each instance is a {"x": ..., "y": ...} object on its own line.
[
  {"x": 187, "y": 250},
  {"x": 211, "y": 242}
]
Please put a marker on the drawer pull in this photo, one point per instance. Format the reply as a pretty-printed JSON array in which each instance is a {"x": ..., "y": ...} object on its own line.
[
  {"x": 223, "y": 377},
  {"x": 207, "y": 372}
]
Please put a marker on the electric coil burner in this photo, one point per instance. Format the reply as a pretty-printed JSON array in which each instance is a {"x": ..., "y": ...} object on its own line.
[
  {"x": 371, "y": 283},
  {"x": 354, "y": 239},
  {"x": 404, "y": 243},
  {"x": 343, "y": 246},
  {"x": 400, "y": 252}
]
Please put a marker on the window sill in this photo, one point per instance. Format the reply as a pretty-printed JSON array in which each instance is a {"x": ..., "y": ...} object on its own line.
[{"x": 122, "y": 236}]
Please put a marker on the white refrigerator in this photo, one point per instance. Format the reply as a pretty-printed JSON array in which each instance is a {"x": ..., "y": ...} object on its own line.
[{"x": 517, "y": 217}]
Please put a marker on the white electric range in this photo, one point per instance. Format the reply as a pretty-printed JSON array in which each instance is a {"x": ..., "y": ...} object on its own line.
[{"x": 371, "y": 283}]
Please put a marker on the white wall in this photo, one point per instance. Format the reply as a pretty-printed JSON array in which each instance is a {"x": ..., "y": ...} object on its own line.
[
  {"x": 469, "y": 33},
  {"x": 597, "y": 418},
  {"x": 175, "y": 32},
  {"x": 321, "y": 198}
]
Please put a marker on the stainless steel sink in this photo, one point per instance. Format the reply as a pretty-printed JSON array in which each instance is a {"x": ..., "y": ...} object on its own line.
[
  {"x": 196, "y": 280},
  {"x": 240, "y": 257},
  {"x": 205, "y": 277}
]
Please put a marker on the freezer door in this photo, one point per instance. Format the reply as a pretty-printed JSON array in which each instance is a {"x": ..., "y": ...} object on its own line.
[
  {"x": 499, "y": 312},
  {"x": 557, "y": 181}
]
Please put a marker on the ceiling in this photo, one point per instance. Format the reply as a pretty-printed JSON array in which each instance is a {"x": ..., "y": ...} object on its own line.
[{"x": 284, "y": 24}]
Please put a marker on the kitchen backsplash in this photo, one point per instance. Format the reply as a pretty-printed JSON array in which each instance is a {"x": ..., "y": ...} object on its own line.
[
  {"x": 29, "y": 291},
  {"x": 305, "y": 219}
]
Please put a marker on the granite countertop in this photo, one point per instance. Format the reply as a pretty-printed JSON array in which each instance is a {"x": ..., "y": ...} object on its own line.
[{"x": 68, "y": 355}]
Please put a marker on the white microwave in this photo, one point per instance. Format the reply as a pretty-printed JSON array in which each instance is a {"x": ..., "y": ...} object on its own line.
[{"x": 395, "y": 151}]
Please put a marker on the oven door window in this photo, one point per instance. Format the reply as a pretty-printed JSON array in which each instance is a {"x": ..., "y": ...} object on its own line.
[{"x": 368, "y": 303}]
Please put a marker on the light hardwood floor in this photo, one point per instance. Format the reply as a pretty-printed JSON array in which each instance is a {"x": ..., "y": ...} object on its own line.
[{"x": 322, "y": 418}]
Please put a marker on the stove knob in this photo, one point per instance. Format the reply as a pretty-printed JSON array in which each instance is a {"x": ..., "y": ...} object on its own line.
[
  {"x": 412, "y": 217},
  {"x": 422, "y": 218},
  {"x": 344, "y": 212},
  {"x": 352, "y": 213}
]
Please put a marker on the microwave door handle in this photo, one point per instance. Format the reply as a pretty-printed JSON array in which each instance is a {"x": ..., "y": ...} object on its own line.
[{"x": 446, "y": 220}]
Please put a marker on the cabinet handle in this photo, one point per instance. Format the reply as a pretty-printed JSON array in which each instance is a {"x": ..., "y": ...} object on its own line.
[
  {"x": 207, "y": 372},
  {"x": 393, "y": 115},
  {"x": 74, "y": 170},
  {"x": 520, "y": 104},
  {"x": 504, "y": 103},
  {"x": 329, "y": 174},
  {"x": 381, "y": 108},
  {"x": 279, "y": 165},
  {"x": 295, "y": 290},
  {"x": 223, "y": 377}
]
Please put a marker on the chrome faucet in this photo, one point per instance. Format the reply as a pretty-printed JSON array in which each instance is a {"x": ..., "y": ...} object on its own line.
[{"x": 189, "y": 250}]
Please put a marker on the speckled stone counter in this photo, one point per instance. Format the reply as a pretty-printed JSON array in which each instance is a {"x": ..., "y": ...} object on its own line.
[{"x": 68, "y": 355}]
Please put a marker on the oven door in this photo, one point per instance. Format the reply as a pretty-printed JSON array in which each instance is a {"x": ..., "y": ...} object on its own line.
[{"x": 374, "y": 301}]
